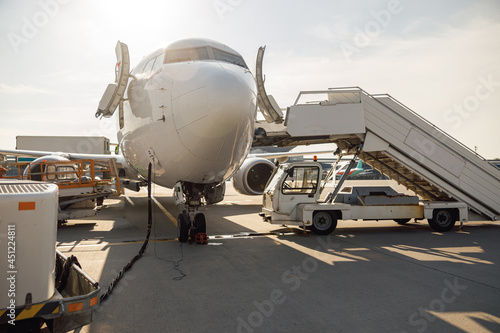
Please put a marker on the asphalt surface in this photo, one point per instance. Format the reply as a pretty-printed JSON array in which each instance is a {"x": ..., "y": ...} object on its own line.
[{"x": 366, "y": 276}]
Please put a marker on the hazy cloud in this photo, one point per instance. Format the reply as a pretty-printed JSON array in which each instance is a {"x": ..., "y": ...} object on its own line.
[{"x": 22, "y": 89}]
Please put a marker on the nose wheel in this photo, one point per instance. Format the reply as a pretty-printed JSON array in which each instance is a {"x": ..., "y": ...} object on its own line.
[
  {"x": 196, "y": 229},
  {"x": 183, "y": 225}
]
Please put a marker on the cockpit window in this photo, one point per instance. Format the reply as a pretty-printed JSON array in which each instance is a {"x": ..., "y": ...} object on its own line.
[
  {"x": 228, "y": 57},
  {"x": 149, "y": 66},
  {"x": 158, "y": 62},
  {"x": 200, "y": 53},
  {"x": 203, "y": 53}
]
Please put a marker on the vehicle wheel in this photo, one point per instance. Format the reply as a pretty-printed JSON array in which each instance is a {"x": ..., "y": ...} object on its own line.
[
  {"x": 323, "y": 223},
  {"x": 183, "y": 225},
  {"x": 200, "y": 223},
  {"x": 402, "y": 221},
  {"x": 443, "y": 220}
]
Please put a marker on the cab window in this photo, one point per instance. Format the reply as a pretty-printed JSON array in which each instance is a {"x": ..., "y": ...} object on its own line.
[
  {"x": 50, "y": 172},
  {"x": 301, "y": 180},
  {"x": 66, "y": 173},
  {"x": 199, "y": 53}
]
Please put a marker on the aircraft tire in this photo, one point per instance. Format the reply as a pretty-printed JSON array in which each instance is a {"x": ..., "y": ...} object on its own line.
[
  {"x": 200, "y": 223},
  {"x": 183, "y": 228}
]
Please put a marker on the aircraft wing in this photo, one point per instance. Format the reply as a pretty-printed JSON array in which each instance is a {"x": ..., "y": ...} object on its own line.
[
  {"x": 290, "y": 153},
  {"x": 283, "y": 157},
  {"x": 119, "y": 159},
  {"x": 30, "y": 153}
]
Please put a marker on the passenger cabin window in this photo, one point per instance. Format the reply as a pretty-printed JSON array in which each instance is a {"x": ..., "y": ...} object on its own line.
[
  {"x": 229, "y": 57},
  {"x": 200, "y": 53},
  {"x": 301, "y": 180}
]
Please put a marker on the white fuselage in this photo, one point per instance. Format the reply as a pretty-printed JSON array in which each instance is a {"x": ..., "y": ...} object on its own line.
[{"x": 195, "y": 118}]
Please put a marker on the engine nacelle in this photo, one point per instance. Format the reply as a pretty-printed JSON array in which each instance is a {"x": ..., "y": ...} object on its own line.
[{"x": 252, "y": 176}]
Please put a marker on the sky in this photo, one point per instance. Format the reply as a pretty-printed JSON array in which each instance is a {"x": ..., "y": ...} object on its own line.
[{"x": 440, "y": 58}]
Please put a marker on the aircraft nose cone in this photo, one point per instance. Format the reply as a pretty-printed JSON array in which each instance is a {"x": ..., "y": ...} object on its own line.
[{"x": 213, "y": 110}]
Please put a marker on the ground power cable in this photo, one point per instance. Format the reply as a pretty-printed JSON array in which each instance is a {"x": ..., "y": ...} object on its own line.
[
  {"x": 176, "y": 264},
  {"x": 143, "y": 248}
]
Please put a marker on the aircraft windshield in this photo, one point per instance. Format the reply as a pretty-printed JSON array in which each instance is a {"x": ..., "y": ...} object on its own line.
[
  {"x": 200, "y": 53},
  {"x": 228, "y": 57}
]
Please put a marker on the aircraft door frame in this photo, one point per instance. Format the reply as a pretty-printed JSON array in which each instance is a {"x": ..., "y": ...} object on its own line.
[{"x": 114, "y": 93}]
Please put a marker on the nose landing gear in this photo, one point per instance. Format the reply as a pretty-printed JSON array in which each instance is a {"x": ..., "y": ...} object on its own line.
[
  {"x": 192, "y": 230},
  {"x": 191, "y": 225}
]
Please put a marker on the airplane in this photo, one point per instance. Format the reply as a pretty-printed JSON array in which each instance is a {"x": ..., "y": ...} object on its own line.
[
  {"x": 353, "y": 172},
  {"x": 189, "y": 110}
]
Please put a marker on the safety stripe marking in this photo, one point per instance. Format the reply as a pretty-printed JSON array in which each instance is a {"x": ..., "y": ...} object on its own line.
[
  {"x": 36, "y": 310},
  {"x": 165, "y": 211},
  {"x": 30, "y": 313}
]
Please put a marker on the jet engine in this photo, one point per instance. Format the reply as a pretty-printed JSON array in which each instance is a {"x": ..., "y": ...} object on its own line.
[{"x": 252, "y": 176}]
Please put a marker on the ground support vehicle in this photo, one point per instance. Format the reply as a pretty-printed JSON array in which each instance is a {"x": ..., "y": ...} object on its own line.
[
  {"x": 40, "y": 285},
  {"x": 83, "y": 184},
  {"x": 292, "y": 197},
  {"x": 65, "y": 311},
  {"x": 391, "y": 138}
]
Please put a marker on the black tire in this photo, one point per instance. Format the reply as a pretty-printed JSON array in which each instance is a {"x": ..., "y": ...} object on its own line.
[
  {"x": 443, "y": 220},
  {"x": 183, "y": 227},
  {"x": 402, "y": 221},
  {"x": 323, "y": 223},
  {"x": 200, "y": 223}
]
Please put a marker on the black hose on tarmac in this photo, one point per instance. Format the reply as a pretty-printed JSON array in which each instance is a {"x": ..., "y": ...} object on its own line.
[{"x": 144, "y": 245}]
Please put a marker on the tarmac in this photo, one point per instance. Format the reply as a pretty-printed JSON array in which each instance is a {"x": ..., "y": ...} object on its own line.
[{"x": 366, "y": 276}]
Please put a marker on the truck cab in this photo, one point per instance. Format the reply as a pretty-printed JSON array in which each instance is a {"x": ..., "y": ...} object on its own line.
[
  {"x": 53, "y": 169},
  {"x": 291, "y": 187},
  {"x": 290, "y": 184}
]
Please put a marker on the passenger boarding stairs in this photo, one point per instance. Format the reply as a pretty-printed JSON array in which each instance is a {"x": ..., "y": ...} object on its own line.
[{"x": 397, "y": 142}]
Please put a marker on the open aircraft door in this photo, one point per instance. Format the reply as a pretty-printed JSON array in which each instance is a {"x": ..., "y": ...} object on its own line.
[
  {"x": 115, "y": 91},
  {"x": 267, "y": 104}
]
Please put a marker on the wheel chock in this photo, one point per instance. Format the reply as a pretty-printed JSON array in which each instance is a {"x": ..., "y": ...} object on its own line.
[
  {"x": 191, "y": 235},
  {"x": 201, "y": 238}
]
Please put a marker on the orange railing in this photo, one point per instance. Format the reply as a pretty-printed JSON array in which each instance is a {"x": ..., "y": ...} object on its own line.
[{"x": 67, "y": 174}]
